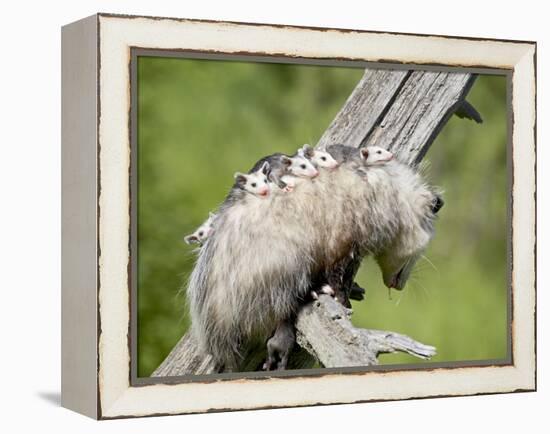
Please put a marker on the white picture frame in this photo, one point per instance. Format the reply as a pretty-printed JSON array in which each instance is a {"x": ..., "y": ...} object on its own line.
[{"x": 96, "y": 296}]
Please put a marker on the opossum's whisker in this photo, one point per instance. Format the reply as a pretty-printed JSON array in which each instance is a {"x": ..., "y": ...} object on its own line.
[
  {"x": 401, "y": 295},
  {"x": 418, "y": 271},
  {"x": 429, "y": 262},
  {"x": 424, "y": 289}
]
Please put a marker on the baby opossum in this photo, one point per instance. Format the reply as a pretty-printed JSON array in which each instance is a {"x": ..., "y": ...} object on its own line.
[
  {"x": 375, "y": 155},
  {"x": 281, "y": 165},
  {"x": 202, "y": 232},
  {"x": 367, "y": 156},
  {"x": 254, "y": 182},
  {"x": 318, "y": 157},
  {"x": 240, "y": 290}
]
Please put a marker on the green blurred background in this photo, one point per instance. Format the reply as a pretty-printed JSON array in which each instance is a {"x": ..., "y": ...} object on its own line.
[{"x": 199, "y": 121}]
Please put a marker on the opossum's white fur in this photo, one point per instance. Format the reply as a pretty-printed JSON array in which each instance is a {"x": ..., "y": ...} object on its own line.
[
  {"x": 302, "y": 167},
  {"x": 260, "y": 262},
  {"x": 373, "y": 155},
  {"x": 317, "y": 157}
]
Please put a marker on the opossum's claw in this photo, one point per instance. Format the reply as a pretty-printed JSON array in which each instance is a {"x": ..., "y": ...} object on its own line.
[{"x": 288, "y": 189}]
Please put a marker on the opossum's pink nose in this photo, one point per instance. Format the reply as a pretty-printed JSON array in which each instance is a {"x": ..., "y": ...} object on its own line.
[
  {"x": 264, "y": 192},
  {"x": 315, "y": 174}
]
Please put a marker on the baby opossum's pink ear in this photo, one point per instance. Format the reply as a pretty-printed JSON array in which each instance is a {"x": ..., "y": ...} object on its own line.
[
  {"x": 286, "y": 161},
  {"x": 240, "y": 178},
  {"x": 365, "y": 153}
]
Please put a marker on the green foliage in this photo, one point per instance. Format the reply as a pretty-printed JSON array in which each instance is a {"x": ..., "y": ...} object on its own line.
[{"x": 199, "y": 121}]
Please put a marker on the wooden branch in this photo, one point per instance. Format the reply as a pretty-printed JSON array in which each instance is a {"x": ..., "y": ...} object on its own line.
[
  {"x": 185, "y": 359},
  {"x": 399, "y": 110},
  {"x": 324, "y": 329}
]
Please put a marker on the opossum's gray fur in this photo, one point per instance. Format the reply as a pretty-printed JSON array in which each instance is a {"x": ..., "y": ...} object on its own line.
[
  {"x": 278, "y": 167},
  {"x": 260, "y": 261},
  {"x": 343, "y": 153}
]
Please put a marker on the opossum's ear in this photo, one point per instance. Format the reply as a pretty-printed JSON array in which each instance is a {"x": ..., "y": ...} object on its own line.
[
  {"x": 365, "y": 153},
  {"x": 265, "y": 168},
  {"x": 240, "y": 178},
  {"x": 437, "y": 203},
  {"x": 191, "y": 239},
  {"x": 307, "y": 151},
  {"x": 286, "y": 161}
]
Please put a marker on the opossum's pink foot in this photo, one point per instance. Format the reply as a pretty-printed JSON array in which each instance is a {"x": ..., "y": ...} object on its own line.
[
  {"x": 288, "y": 189},
  {"x": 325, "y": 289}
]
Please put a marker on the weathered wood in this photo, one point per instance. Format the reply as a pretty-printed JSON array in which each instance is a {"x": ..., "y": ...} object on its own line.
[
  {"x": 324, "y": 329},
  {"x": 398, "y": 110},
  {"x": 362, "y": 110},
  {"x": 185, "y": 359},
  {"x": 420, "y": 110}
]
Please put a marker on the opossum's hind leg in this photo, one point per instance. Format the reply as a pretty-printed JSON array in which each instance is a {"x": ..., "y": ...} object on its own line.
[{"x": 279, "y": 346}]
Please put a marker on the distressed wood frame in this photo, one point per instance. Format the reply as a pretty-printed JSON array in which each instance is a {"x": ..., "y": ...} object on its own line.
[{"x": 96, "y": 305}]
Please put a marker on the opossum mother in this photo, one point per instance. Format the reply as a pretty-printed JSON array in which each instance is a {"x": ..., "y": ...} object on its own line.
[{"x": 259, "y": 263}]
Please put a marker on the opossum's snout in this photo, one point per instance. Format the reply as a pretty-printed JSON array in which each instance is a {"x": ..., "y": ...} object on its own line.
[
  {"x": 396, "y": 268},
  {"x": 397, "y": 279},
  {"x": 264, "y": 191},
  {"x": 314, "y": 173}
]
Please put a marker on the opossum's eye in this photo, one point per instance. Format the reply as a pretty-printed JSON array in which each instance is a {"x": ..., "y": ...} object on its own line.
[
  {"x": 324, "y": 158},
  {"x": 378, "y": 152},
  {"x": 265, "y": 180},
  {"x": 201, "y": 233},
  {"x": 253, "y": 184},
  {"x": 303, "y": 166}
]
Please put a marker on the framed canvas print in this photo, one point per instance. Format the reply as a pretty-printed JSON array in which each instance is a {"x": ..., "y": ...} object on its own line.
[{"x": 261, "y": 216}]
